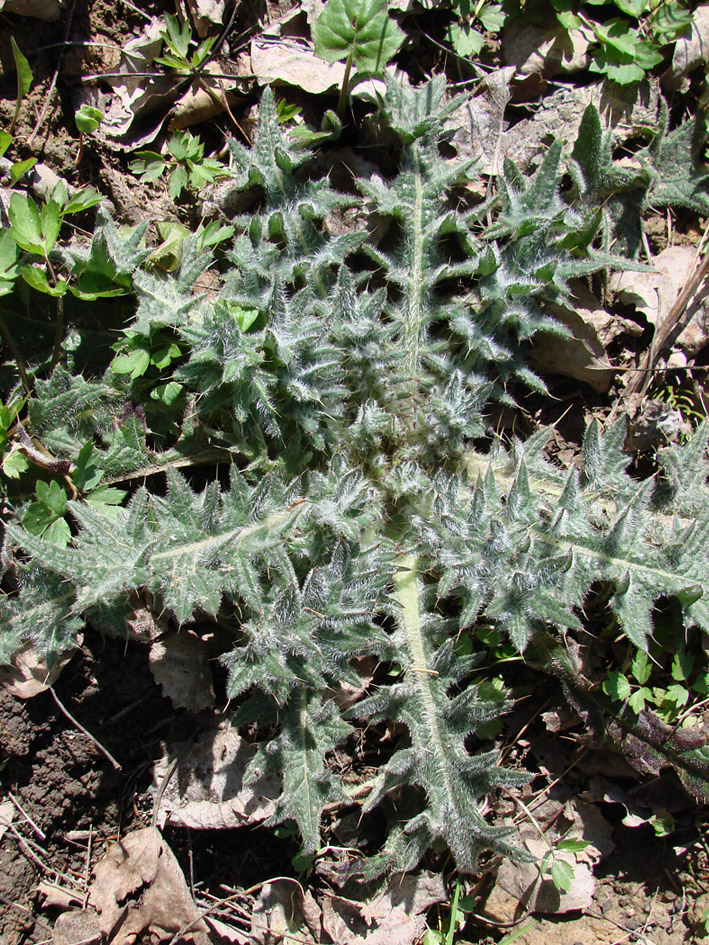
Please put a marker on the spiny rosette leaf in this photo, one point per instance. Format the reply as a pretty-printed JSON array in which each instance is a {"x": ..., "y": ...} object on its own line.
[
  {"x": 192, "y": 550},
  {"x": 41, "y": 613},
  {"x": 434, "y": 758},
  {"x": 306, "y": 635},
  {"x": 417, "y": 112},
  {"x": 284, "y": 378},
  {"x": 359, "y": 514},
  {"x": 284, "y": 240},
  {"x": 311, "y": 727},
  {"x": 669, "y": 171},
  {"x": 531, "y": 541}
]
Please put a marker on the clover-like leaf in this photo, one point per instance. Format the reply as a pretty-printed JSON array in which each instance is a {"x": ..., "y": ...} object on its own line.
[{"x": 361, "y": 29}]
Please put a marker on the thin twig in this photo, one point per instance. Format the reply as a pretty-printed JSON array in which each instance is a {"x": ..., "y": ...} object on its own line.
[
  {"x": 161, "y": 790},
  {"x": 53, "y": 83},
  {"x": 14, "y": 351},
  {"x": 26, "y": 845},
  {"x": 40, "y": 833},
  {"x": 88, "y": 734},
  {"x": 177, "y": 937},
  {"x": 25, "y": 911},
  {"x": 87, "y": 868}
]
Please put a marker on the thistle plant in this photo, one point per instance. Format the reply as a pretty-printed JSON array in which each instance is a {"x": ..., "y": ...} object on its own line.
[{"x": 345, "y": 381}]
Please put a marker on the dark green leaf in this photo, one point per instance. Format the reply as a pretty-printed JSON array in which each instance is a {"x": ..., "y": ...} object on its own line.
[
  {"x": 24, "y": 73},
  {"x": 360, "y": 28}
]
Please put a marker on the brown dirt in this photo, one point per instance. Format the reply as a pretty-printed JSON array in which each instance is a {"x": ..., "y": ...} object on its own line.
[{"x": 64, "y": 785}]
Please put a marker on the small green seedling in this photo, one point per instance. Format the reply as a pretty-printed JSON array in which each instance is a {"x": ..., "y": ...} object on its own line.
[
  {"x": 185, "y": 165},
  {"x": 18, "y": 168},
  {"x": 188, "y": 58},
  {"x": 88, "y": 119},
  {"x": 460, "y": 906},
  {"x": 557, "y": 868},
  {"x": 35, "y": 230},
  {"x": 180, "y": 55},
  {"x": 8, "y": 263},
  {"x": 45, "y": 516},
  {"x": 476, "y": 18},
  {"x": 12, "y": 461},
  {"x": 24, "y": 80}
]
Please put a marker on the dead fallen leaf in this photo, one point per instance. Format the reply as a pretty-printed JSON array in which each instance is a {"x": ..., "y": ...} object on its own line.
[
  {"x": 285, "y": 914},
  {"x": 572, "y": 819},
  {"x": 138, "y": 88},
  {"x": 206, "y": 13},
  {"x": 692, "y": 50},
  {"x": 560, "y": 718},
  {"x": 207, "y": 790},
  {"x": 581, "y": 356},
  {"x": 480, "y": 124},
  {"x": 313, "y": 9},
  {"x": 48, "y": 10},
  {"x": 29, "y": 674},
  {"x": 600, "y": 789},
  {"x": 655, "y": 423},
  {"x": 210, "y": 98},
  {"x": 139, "y": 887},
  {"x": 654, "y": 294},
  {"x": 77, "y": 927},
  {"x": 7, "y": 814},
  {"x": 227, "y": 932},
  {"x": 396, "y": 917},
  {"x": 180, "y": 665},
  {"x": 536, "y": 50},
  {"x": 58, "y": 897},
  {"x": 293, "y": 61},
  {"x": 625, "y": 111}
]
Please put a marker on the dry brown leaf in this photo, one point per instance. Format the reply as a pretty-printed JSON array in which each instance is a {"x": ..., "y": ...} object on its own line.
[
  {"x": 139, "y": 887},
  {"x": 395, "y": 917},
  {"x": 197, "y": 105},
  {"x": 600, "y": 789},
  {"x": 28, "y": 675},
  {"x": 180, "y": 665},
  {"x": 536, "y": 50},
  {"x": 48, "y": 10},
  {"x": 227, "y": 932},
  {"x": 285, "y": 914},
  {"x": 479, "y": 123},
  {"x": 654, "y": 294},
  {"x": 58, "y": 897},
  {"x": 7, "y": 814},
  {"x": 581, "y": 356},
  {"x": 77, "y": 927},
  {"x": 313, "y": 9},
  {"x": 207, "y": 790},
  {"x": 206, "y": 99},
  {"x": 653, "y": 423},
  {"x": 135, "y": 93},
  {"x": 570, "y": 819},
  {"x": 206, "y": 13},
  {"x": 691, "y": 51},
  {"x": 293, "y": 61},
  {"x": 624, "y": 111}
]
